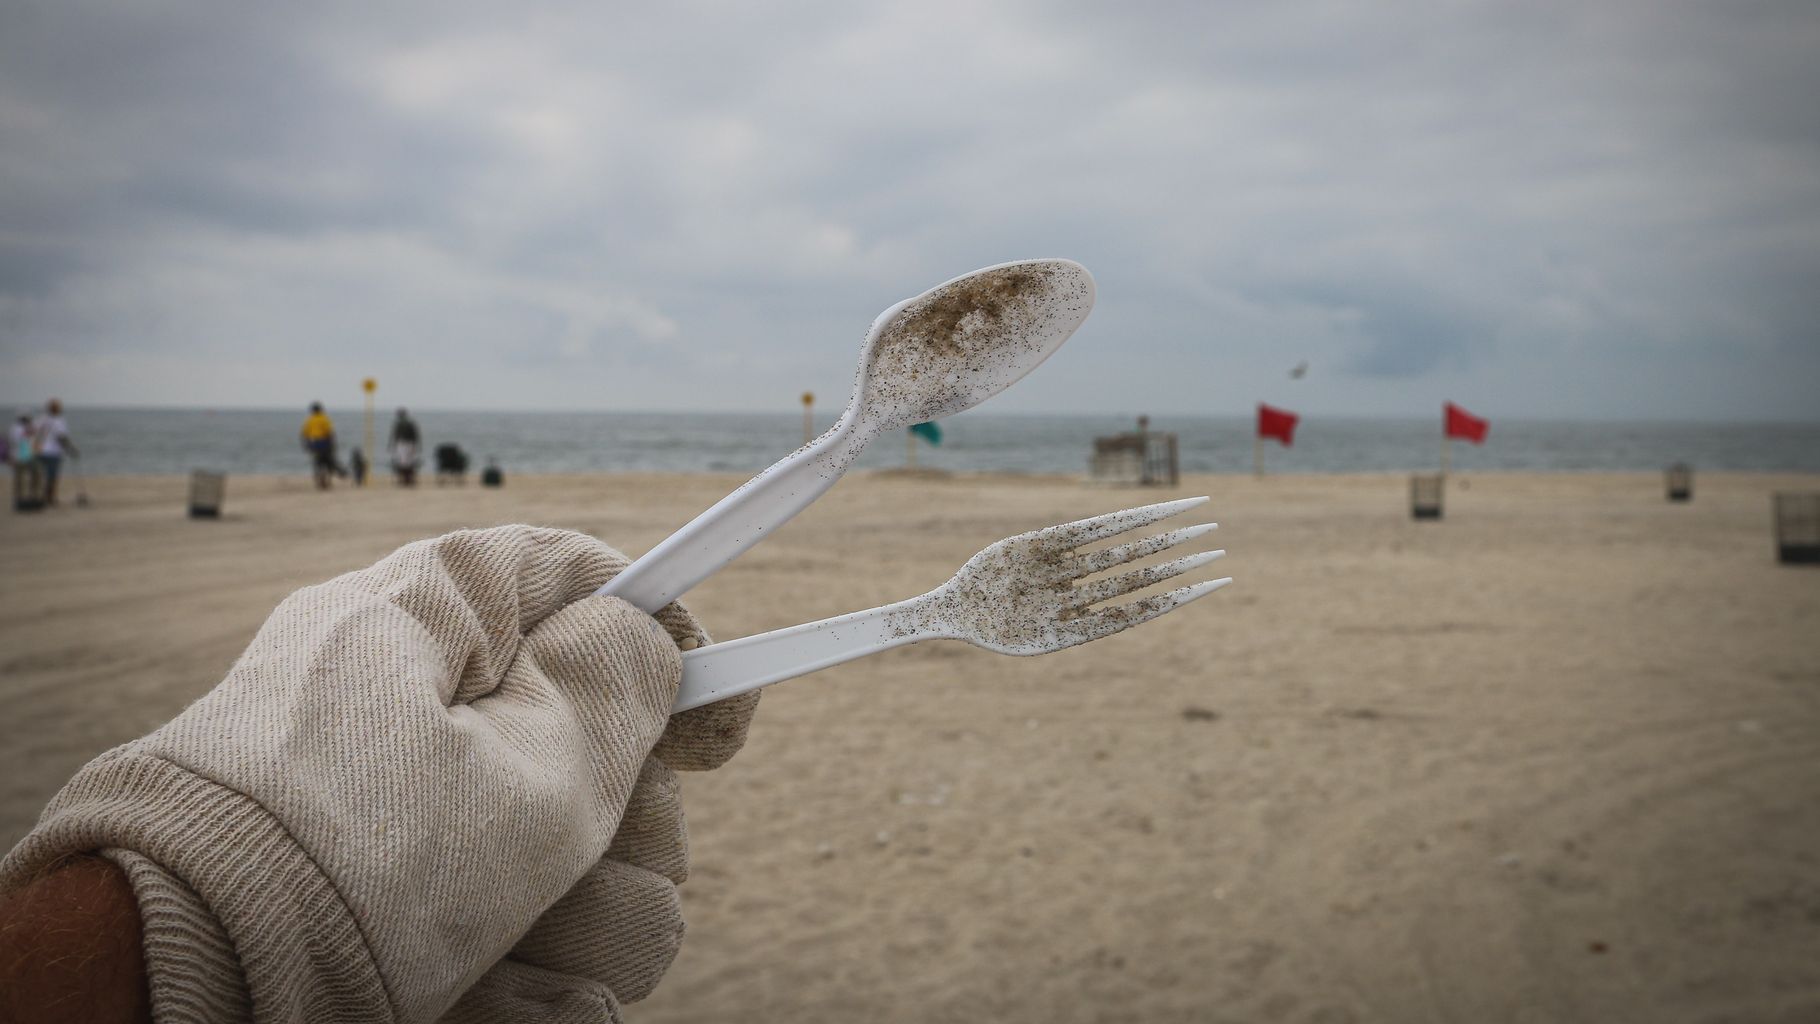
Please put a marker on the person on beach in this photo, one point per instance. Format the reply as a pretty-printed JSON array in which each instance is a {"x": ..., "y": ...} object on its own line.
[
  {"x": 51, "y": 438},
  {"x": 357, "y": 465},
  {"x": 442, "y": 787},
  {"x": 405, "y": 447},
  {"x": 22, "y": 455},
  {"x": 318, "y": 436},
  {"x": 19, "y": 447}
]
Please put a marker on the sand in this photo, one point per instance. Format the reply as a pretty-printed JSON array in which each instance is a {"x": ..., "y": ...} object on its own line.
[{"x": 1553, "y": 758}]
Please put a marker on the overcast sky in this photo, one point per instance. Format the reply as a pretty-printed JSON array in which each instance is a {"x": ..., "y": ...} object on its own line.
[{"x": 1550, "y": 209}]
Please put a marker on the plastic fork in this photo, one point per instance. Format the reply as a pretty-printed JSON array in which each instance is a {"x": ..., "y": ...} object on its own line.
[{"x": 1028, "y": 594}]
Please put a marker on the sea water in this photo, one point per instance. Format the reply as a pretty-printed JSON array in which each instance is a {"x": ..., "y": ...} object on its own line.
[{"x": 161, "y": 441}]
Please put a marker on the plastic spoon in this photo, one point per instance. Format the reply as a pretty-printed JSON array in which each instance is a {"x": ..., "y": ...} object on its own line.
[{"x": 944, "y": 351}]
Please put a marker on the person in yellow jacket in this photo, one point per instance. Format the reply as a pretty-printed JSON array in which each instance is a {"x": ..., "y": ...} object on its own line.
[{"x": 318, "y": 436}]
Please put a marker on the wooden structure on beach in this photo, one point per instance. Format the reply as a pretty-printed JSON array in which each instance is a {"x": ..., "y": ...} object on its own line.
[{"x": 1143, "y": 458}]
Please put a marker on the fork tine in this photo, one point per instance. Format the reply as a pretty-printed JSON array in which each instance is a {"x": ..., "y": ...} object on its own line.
[
  {"x": 1108, "y": 621},
  {"x": 1086, "y": 531},
  {"x": 1095, "y": 561},
  {"x": 1137, "y": 579}
]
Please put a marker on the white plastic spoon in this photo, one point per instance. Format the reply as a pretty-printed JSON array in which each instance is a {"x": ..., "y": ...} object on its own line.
[{"x": 946, "y": 350}]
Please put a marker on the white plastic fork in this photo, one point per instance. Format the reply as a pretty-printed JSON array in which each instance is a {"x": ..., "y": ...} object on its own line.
[{"x": 1024, "y": 595}]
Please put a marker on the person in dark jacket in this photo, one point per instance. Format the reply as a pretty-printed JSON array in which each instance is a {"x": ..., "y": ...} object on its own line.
[{"x": 406, "y": 448}]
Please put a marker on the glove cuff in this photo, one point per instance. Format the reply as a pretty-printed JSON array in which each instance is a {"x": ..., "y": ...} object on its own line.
[
  {"x": 235, "y": 875},
  {"x": 190, "y": 965}
]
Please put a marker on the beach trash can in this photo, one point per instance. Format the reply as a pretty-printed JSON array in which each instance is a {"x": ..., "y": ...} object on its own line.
[
  {"x": 1425, "y": 495},
  {"x": 206, "y": 491},
  {"x": 28, "y": 486},
  {"x": 1798, "y": 528},
  {"x": 1680, "y": 480}
]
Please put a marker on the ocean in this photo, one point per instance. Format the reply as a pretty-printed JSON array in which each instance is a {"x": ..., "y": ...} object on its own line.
[{"x": 162, "y": 441}]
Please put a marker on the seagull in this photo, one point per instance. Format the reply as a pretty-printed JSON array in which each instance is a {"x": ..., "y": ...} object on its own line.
[{"x": 1301, "y": 369}]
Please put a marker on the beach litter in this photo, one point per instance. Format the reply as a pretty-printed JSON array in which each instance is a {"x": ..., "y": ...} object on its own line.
[
  {"x": 926, "y": 358},
  {"x": 1025, "y": 595}
]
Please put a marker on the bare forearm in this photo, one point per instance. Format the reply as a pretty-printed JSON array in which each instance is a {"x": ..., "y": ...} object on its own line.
[{"x": 70, "y": 948}]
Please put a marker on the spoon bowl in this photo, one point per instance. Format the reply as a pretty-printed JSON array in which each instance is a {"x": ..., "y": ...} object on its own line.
[{"x": 965, "y": 340}]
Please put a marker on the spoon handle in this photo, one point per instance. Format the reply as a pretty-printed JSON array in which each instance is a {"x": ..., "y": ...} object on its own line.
[{"x": 737, "y": 521}]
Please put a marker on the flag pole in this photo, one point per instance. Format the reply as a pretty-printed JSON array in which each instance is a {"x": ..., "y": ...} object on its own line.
[
  {"x": 368, "y": 385},
  {"x": 1446, "y": 453},
  {"x": 910, "y": 448},
  {"x": 1257, "y": 456}
]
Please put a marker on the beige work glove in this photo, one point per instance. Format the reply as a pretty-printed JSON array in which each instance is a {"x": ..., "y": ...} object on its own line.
[{"x": 440, "y": 785}]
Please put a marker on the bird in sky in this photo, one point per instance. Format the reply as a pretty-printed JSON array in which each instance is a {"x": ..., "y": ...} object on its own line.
[{"x": 1300, "y": 370}]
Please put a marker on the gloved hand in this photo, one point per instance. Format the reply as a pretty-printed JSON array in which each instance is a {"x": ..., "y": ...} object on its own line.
[{"x": 431, "y": 786}]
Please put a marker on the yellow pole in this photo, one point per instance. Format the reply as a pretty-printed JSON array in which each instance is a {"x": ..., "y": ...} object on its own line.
[
  {"x": 808, "y": 416},
  {"x": 369, "y": 385}
]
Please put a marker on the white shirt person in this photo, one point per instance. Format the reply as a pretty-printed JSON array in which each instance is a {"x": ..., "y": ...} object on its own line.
[{"x": 51, "y": 439}]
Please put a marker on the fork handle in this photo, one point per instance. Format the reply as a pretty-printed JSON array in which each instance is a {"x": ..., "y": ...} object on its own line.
[{"x": 723, "y": 670}]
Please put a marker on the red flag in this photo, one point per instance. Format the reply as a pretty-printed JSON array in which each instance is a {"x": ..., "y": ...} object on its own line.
[
  {"x": 1277, "y": 423},
  {"x": 1465, "y": 425}
]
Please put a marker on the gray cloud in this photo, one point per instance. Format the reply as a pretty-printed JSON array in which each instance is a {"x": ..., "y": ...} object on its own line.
[{"x": 1543, "y": 209}]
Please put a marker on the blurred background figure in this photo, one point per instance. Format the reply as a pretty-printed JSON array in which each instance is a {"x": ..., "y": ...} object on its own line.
[
  {"x": 50, "y": 439},
  {"x": 318, "y": 436},
  {"x": 357, "y": 465},
  {"x": 22, "y": 455},
  {"x": 451, "y": 464},
  {"x": 405, "y": 446}
]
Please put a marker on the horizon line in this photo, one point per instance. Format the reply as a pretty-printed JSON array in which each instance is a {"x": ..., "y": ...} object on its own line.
[{"x": 796, "y": 411}]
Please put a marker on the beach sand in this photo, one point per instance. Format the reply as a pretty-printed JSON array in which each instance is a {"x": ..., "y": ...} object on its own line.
[{"x": 1553, "y": 758}]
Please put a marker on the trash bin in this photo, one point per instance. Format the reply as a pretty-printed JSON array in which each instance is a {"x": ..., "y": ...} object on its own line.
[
  {"x": 1680, "y": 480},
  {"x": 1798, "y": 528},
  {"x": 1425, "y": 495},
  {"x": 206, "y": 491},
  {"x": 28, "y": 486}
]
